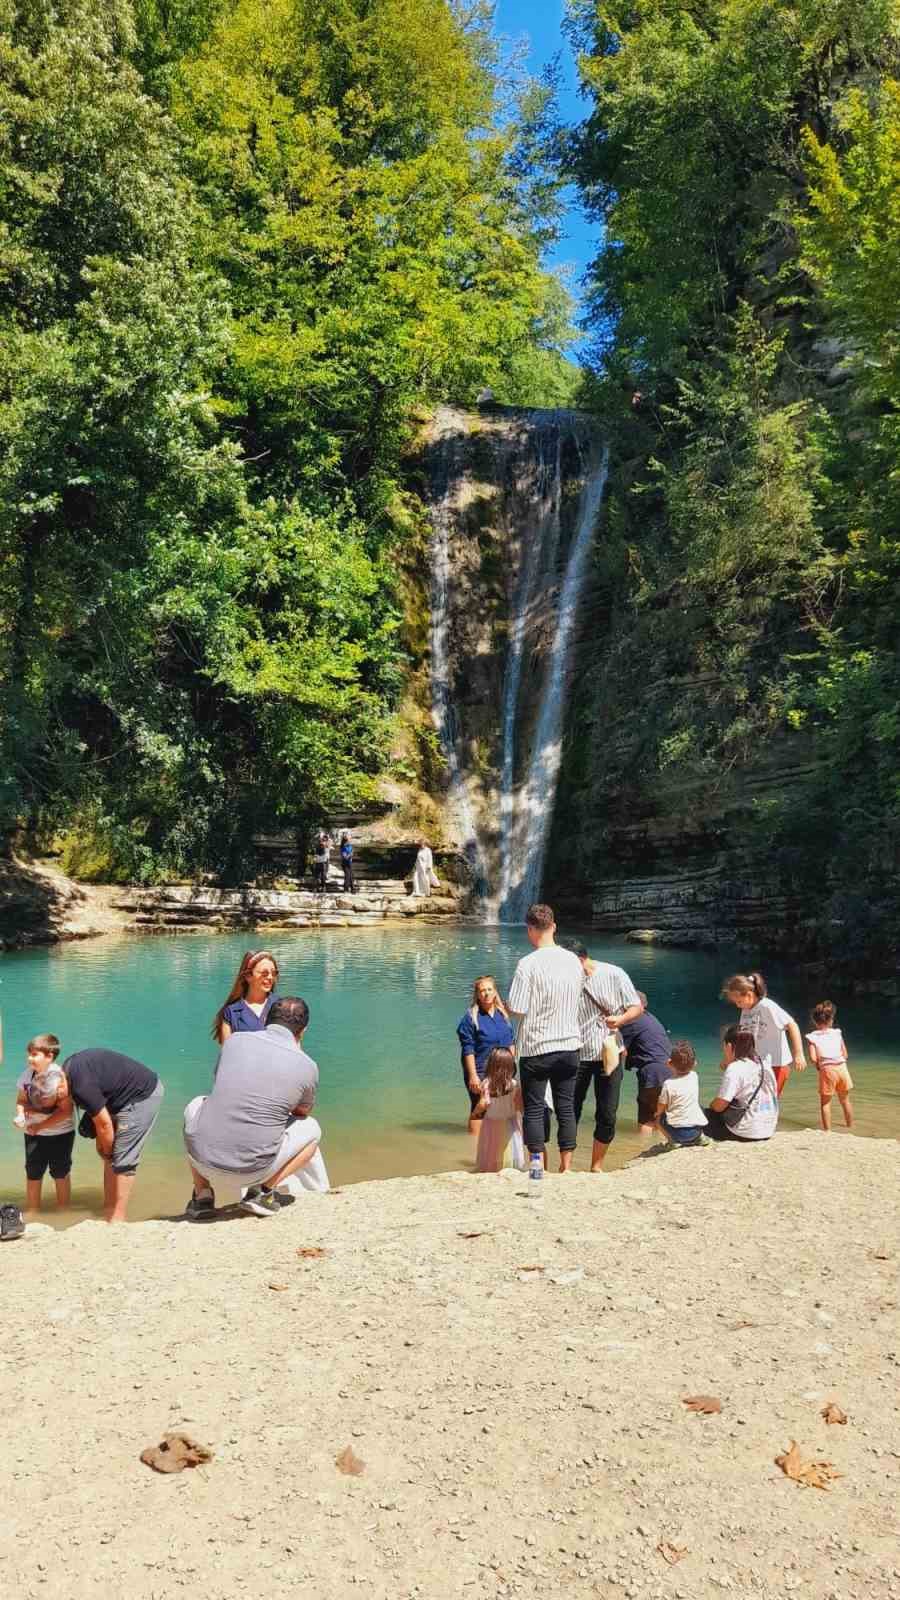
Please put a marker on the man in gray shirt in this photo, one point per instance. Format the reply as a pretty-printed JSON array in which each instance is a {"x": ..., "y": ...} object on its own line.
[{"x": 254, "y": 1129}]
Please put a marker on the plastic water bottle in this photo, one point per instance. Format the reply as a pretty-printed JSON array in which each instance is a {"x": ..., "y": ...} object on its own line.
[{"x": 535, "y": 1174}]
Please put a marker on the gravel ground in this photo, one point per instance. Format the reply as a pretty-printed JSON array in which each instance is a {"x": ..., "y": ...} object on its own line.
[{"x": 510, "y": 1372}]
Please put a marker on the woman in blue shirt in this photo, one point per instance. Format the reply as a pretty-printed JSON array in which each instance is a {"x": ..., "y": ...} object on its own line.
[
  {"x": 484, "y": 1027},
  {"x": 251, "y": 997}
]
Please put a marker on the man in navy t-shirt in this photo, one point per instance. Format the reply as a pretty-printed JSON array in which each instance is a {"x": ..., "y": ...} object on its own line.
[{"x": 649, "y": 1048}]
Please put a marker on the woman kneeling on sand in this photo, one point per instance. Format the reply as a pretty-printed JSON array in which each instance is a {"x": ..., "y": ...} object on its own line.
[{"x": 746, "y": 1106}]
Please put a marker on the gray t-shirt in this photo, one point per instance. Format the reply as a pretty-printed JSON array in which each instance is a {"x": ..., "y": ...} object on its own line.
[{"x": 260, "y": 1078}]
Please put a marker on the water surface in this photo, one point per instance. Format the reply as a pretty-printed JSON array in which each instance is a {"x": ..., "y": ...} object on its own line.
[{"x": 384, "y": 1008}]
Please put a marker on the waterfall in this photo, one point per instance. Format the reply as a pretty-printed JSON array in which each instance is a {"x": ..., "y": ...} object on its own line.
[
  {"x": 531, "y": 808},
  {"x": 549, "y": 486},
  {"x": 520, "y": 488}
]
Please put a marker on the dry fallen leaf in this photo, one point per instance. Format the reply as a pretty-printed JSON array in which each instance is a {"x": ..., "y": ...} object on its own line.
[
  {"x": 833, "y": 1413},
  {"x": 470, "y": 1236},
  {"x": 705, "y": 1403},
  {"x": 347, "y": 1462},
  {"x": 311, "y": 1252},
  {"x": 531, "y": 1269},
  {"x": 279, "y": 1286},
  {"x": 814, "y": 1474},
  {"x": 671, "y": 1552},
  {"x": 175, "y": 1452},
  {"x": 882, "y": 1253},
  {"x": 735, "y": 1327}
]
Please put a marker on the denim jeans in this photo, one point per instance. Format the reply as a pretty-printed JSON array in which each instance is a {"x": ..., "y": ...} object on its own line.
[
  {"x": 607, "y": 1091},
  {"x": 560, "y": 1069},
  {"x": 684, "y": 1136}
]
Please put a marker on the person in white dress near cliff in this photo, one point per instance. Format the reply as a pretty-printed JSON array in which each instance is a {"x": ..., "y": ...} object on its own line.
[{"x": 424, "y": 876}]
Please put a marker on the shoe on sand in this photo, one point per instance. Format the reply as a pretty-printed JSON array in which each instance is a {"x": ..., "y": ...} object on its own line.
[
  {"x": 262, "y": 1202},
  {"x": 200, "y": 1205},
  {"x": 12, "y": 1223}
]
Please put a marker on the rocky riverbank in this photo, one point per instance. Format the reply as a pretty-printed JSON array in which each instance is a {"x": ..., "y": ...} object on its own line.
[
  {"x": 509, "y": 1374},
  {"x": 40, "y": 905}
]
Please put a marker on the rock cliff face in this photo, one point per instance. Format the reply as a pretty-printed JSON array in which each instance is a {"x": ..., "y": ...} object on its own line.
[
  {"x": 513, "y": 497},
  {"x": 40, "y": 905}
]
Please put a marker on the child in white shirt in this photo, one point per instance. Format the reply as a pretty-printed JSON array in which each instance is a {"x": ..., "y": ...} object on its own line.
[
  {"x": 678, "y": 1113},
  {"x": 829, "y": 1057}
]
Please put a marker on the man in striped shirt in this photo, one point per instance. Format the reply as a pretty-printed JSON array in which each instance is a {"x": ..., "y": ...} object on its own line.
[
  {"x": 545, "y": 997},
  {"x": 608, "y": 1001}
]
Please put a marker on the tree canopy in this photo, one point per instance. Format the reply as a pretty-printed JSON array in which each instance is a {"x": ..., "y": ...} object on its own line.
[
  {"x": 742, "y": 158},
  {"x": 241, "y": 243}
]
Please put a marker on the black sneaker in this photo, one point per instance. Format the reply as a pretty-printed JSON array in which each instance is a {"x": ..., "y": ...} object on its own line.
[
  {"x": 283, "y": 1198},
  {"x": 260, "y": 1201},
  {"x": 201, "y": 1205},
  {"x": 12, "y": 1224}
]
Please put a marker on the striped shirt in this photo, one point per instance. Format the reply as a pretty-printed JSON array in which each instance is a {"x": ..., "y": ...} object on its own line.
[
  {"x": 614, "y": 990},
  {"x": 546, "y": 995}
]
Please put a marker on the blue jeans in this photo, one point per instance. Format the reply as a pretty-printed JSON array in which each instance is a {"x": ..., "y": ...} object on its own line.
[{"x": 681, "y": 1135}]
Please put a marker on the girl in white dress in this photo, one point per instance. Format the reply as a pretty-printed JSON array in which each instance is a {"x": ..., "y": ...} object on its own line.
[{"x": 500, "y": 1109}]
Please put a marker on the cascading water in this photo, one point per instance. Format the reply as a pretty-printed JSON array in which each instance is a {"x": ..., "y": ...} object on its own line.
[
  {"x": 532, "y": 805},
  {"x": 535, "y": 481}
]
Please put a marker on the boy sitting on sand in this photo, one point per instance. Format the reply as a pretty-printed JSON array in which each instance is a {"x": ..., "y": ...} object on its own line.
[
  {"x": 678, "y": 1114},
  {"x": 44, "y": 1113}
]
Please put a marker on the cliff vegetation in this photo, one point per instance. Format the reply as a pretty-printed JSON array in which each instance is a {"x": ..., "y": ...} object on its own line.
[
  {"x": 740, "y": 683},
  {"x": 241, "y": 243}
]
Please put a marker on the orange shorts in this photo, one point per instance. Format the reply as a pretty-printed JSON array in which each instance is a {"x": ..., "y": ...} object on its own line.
[{"x": 834, "y": 1078}]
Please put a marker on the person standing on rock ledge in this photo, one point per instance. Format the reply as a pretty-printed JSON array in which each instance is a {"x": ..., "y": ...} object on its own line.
[
  {"x": 424, "y": 876},
  {"x": 321, "y": 862},
  {"x": 546, "y": 997},
  {"x": 346, "y": 854}
]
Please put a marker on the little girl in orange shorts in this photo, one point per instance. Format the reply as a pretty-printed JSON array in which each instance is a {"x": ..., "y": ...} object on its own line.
[{"x": 829, "y": 1057}]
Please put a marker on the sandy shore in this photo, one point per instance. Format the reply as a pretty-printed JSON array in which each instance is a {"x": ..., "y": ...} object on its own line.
[{"x": 521, "y": 1430}]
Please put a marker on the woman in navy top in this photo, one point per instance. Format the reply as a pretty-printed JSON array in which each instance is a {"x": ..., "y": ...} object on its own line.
[
  {"x": 484, "y": 1027},
  {"x": 251, "y": 998}
]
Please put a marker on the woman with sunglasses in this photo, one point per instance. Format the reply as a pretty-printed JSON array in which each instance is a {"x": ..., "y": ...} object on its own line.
[{"x": 250, "y": 998}]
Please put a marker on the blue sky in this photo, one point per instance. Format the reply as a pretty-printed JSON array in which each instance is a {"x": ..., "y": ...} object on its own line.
[{"x": 540, "y": 22}]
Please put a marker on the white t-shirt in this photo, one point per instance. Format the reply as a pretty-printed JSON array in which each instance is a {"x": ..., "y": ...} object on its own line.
[
  {"x": 679, "y": 1098},
  {"x": 829, "y": 1043},
  {"x": 546, "y": 995},
  {"x": 738, "y": 1084},
  {"x": 35, "y": 1118},
  {"x": 767, "y": 1022}
]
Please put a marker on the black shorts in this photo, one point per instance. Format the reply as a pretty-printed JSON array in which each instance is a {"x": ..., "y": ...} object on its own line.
[
  {"x": 53, "y": 1150},
  {"x": 648, "y": 1103}
]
